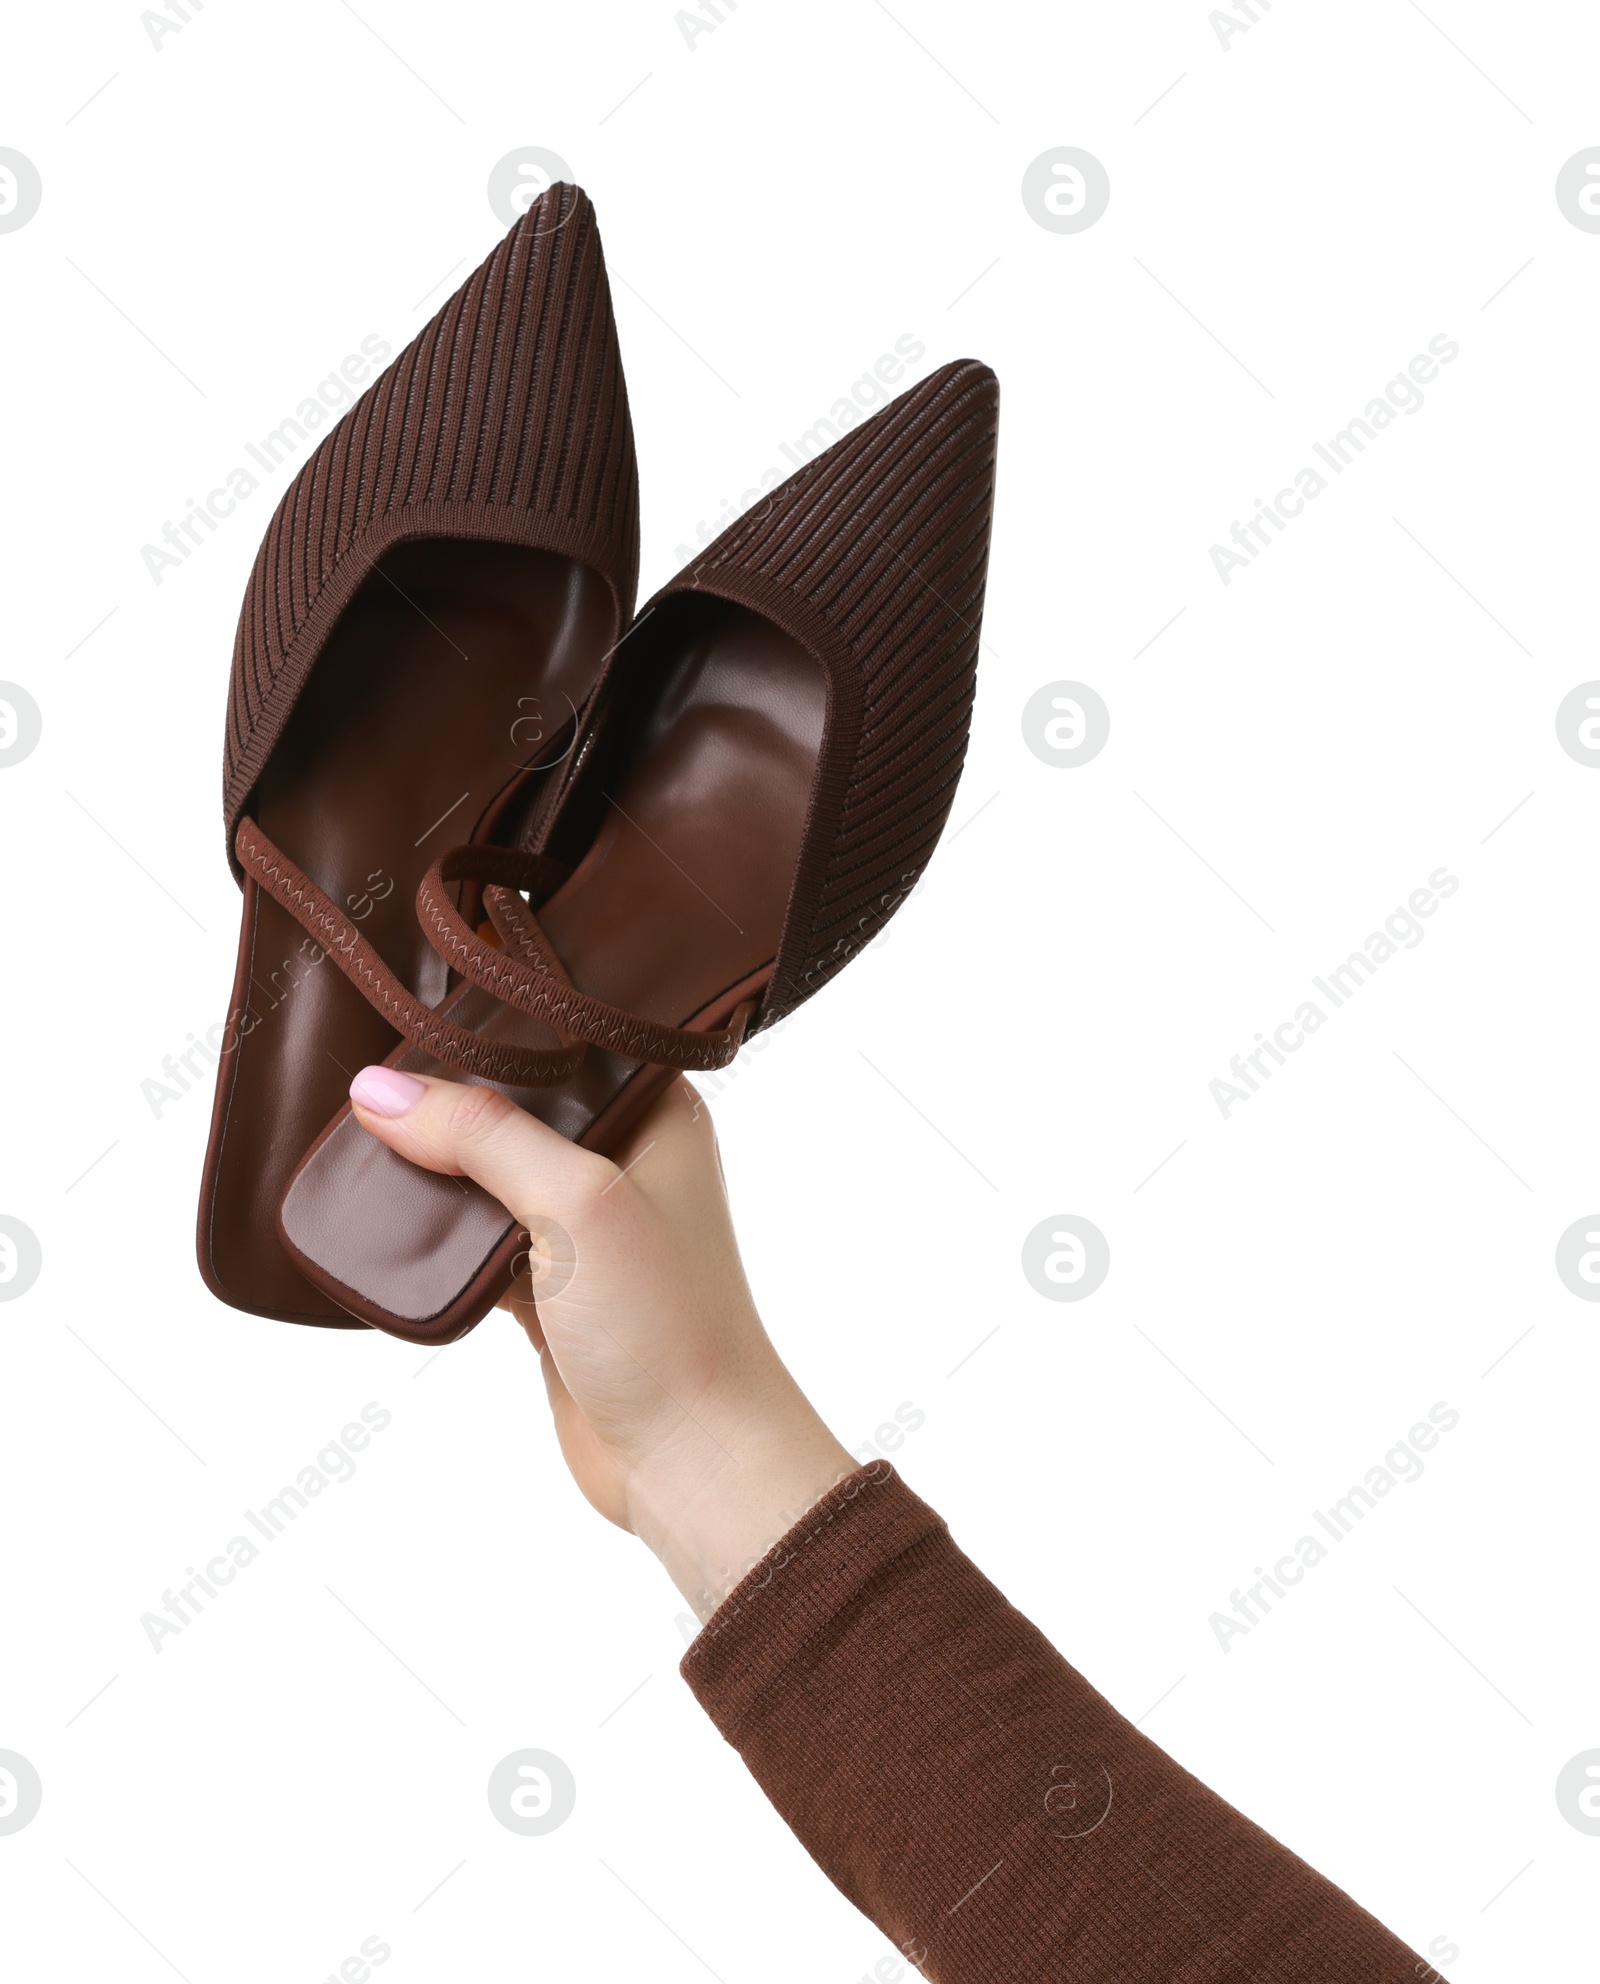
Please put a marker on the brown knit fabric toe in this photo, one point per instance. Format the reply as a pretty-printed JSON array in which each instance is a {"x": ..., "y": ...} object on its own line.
[
  {"x": 506, "y": 419},
  {"x": 875, "y": 555}
]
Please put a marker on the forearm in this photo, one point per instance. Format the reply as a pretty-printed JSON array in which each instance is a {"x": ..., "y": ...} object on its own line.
[{"x": 974, "y": 1796}]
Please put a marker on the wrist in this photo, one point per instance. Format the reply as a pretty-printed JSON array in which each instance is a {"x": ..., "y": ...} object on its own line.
[{"x": 730, "y": 1485}]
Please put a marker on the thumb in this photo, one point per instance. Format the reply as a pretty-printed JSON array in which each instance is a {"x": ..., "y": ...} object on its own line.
[{"x": 467, "y": 1130}]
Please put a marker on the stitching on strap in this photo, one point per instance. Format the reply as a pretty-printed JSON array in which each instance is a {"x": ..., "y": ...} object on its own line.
[
  {"x": 542, "y": 987},
  {"x": 454, "y": 1046}
]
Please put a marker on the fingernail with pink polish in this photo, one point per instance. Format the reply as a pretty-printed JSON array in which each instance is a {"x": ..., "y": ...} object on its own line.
[{"x": 386, "y": 1092}]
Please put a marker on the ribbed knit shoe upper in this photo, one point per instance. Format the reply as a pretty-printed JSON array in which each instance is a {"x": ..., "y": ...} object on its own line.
[
  {"x": 875, "y": 554},
  {"x": 506, "y": 418}
]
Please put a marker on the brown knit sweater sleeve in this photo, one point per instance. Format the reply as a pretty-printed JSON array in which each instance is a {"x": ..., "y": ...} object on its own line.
[{"x": 972, "y": 1794}]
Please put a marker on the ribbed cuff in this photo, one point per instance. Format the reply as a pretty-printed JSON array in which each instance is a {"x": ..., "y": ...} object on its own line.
[{"x": 805, "y": 1580}]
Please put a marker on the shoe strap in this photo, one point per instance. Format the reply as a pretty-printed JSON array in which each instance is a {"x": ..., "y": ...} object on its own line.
[
  {"x": 536, "y": 981},
  {"x": 457, "y": 1047}
]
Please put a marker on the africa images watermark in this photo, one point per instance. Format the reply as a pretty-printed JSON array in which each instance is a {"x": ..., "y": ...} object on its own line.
[
  {"x": 1402, "y": 1463},
  {"x": 1402, "y": 930},
  {"x": 334, "y": 1463},
  {"x": 178, "y": 15},
  {"x": 332, "y": 396},
  {"x": 865, "y": 395},
  {"x": 692, "y": 26},
  {"x": 1228, "y": 26},
  {"x": 173, "y": 1083},
  {"x": 1402, "y": 394},
  {"x": 222, "y": 1038}
]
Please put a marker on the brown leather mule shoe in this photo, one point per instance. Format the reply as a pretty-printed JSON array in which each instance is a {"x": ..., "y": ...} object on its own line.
[
  {"x": 773, "y": 755},
  {"x": 428, "y": 615}
]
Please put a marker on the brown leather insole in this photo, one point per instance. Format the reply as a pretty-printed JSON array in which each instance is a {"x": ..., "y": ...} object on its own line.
[
  {"x": 451, "y": 677},
  {"x": 679, "y": 901}
]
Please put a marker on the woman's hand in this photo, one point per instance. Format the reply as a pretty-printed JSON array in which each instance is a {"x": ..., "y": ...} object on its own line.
[{"x": 673, "y": 1409}]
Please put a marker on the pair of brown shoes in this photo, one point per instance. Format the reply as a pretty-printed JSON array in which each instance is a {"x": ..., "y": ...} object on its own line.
[{"x": 490, "y": 824}]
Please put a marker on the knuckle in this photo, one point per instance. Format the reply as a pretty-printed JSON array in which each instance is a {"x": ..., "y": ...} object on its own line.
[
  {"x": 476, "y": 1114},
  {"x": 582, "y": 1196},
  {"x": 592, "y": 1179}
]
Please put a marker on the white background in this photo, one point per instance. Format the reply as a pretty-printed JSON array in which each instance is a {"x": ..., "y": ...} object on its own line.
[{"x": 1290, "y": 757}]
